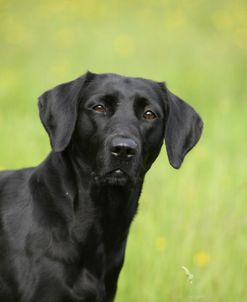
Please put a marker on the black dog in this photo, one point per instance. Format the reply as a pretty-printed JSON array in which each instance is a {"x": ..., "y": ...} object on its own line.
[{"x": 64, "y": 224}]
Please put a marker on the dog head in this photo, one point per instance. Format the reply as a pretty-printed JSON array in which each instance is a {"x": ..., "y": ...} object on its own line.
[{"x": 117, "y": 124}]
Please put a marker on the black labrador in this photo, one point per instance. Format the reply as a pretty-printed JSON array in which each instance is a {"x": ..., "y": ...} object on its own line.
[{"x": 64, "y": 224}]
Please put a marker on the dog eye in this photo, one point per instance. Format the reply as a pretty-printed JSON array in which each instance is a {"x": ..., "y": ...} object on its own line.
[
  {"x": 149, "y": 115},
  {"x": 99, "y": 108}
]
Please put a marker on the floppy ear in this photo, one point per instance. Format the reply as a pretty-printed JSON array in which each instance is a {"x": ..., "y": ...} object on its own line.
[
  {"x": 183, "y": 129},
  {"x": 58, "y": 110}
]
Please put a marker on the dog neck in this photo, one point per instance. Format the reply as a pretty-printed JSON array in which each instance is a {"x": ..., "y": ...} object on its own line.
[
  {"x": 61, "y": 179},
  {"x": 114, "y": 205}
]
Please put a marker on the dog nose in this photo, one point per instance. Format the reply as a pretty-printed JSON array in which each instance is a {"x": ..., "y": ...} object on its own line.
[{"x": 123, "y": 147}]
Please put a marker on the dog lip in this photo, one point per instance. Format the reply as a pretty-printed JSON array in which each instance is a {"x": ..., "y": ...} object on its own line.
[
  {"x": 117, "y": 173},
  {"x": 113, "y": 177}
]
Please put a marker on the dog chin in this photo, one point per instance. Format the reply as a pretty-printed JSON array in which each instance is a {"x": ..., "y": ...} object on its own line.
[{"x": 116, "y": 181}]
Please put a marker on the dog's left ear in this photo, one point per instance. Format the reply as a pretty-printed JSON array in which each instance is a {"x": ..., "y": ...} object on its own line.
[
  {"x": 183, "y": 129},
  {"x": 58, "y": 109}
]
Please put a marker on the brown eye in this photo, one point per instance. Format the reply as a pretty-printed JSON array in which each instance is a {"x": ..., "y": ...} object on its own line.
[
  {"x": 149, "y": 115},
  {"x": 99, "y": 108}
]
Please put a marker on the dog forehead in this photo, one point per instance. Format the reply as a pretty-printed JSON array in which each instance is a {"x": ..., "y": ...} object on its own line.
[{"x": 127, "y": 86}]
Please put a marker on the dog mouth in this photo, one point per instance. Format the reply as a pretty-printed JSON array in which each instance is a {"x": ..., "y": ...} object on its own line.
[
  {"x": 114, "y": 177},
  {"x": 117, "y": 173},
  {"x": 117, "y": 177}
]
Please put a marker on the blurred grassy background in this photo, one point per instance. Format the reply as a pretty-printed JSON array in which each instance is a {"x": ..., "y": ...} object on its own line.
[{"x": 195, "y": 217}]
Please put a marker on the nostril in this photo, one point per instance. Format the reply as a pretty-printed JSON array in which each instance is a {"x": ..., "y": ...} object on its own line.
[
  {"x": 123, "y": 147},
  {"x": 116, "y": 150},
  {"x": 130, "y": 152}
]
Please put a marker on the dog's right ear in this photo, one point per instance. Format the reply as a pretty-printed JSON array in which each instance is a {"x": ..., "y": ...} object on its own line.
[{"x": 58, "y": 110}]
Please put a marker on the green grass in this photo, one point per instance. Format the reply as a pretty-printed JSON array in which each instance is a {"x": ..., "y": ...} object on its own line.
[{"x": 194, "y": 217}]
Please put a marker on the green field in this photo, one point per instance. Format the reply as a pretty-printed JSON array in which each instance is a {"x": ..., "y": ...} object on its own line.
[{"x": 194, "y": 217}]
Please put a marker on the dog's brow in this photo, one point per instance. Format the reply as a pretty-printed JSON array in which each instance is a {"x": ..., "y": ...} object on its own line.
[{"x": 112, "y": 97}]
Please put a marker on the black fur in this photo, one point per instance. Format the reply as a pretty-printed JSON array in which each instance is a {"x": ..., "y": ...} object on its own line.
[{"x": 64, "y": 224}]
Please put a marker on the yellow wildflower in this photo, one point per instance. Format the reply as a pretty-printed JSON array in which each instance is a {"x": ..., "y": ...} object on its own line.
[
  {"x": 201, "y": 258},
  {"x": 161, "y": 244}
]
